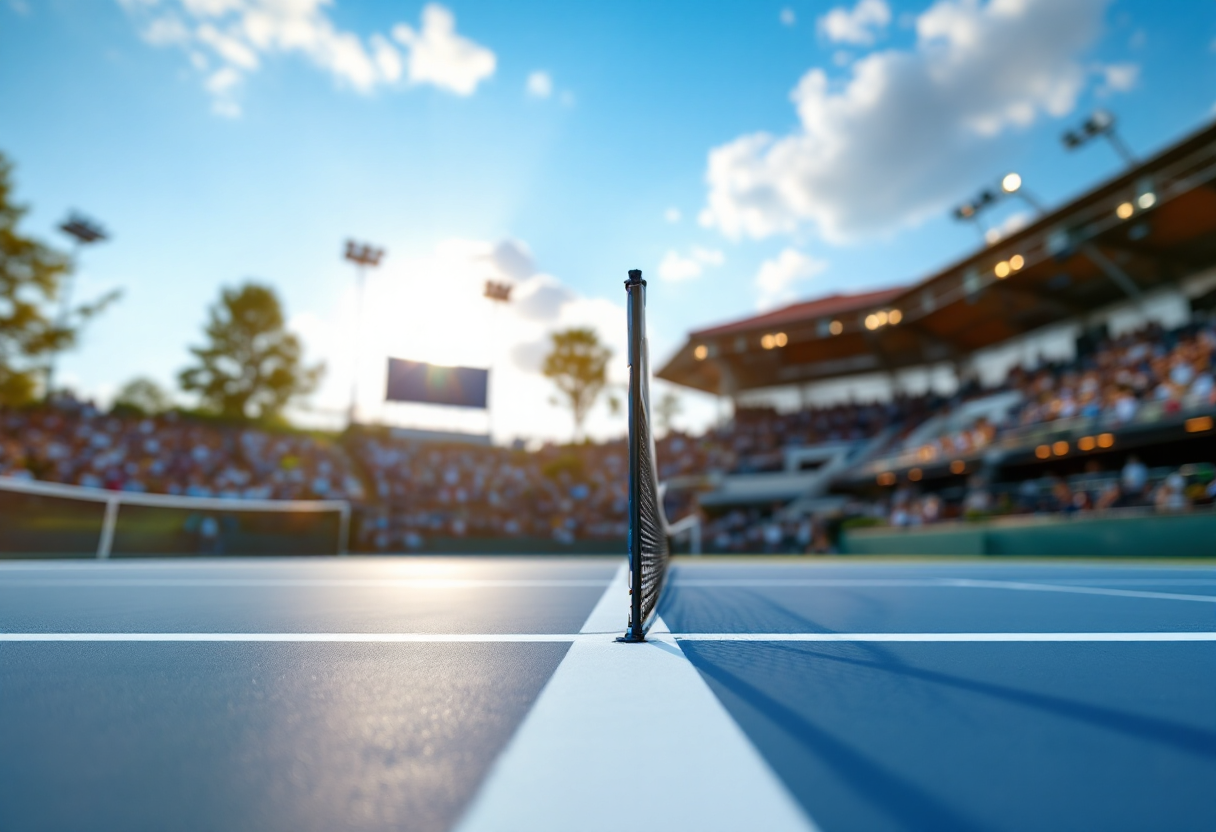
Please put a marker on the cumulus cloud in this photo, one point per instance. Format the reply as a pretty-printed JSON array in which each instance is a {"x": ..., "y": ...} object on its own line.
[
  {"x": 788, "y": 18},
  {"x": 1118, "y": 77},
  {"x": 672, "y": 215},
  {"x": 238, "y": 35},
  {"x": 539, "y": 84},
  {"x": 858, "y": 26},
  {"x": 778, "y": 278},
  {"x": 441, "y": 57},
  {"x": 675, "y": 266},
  {"x": 909, "y": 129}
]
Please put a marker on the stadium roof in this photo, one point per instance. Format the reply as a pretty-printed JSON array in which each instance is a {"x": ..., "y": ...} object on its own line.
[{"x": 1147, "y": 227}]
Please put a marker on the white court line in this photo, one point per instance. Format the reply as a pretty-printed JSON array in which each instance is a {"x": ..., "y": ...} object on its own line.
[
  {"x": 600, "y": 638},
  {"x": 972, "y": 583},
  {"x": 620, "y": 737},
  {"x": 407, "y": 583}
]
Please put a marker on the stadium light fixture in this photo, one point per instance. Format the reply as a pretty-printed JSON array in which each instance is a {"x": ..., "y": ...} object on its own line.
[
  {"x": 1106, "y": 440},
  {"x": 1043, "y": 451},
  {"x": 915, "y": 474},
  {"x": 895, "y": 316},
  {"x": 871, "y": 321},
  {"x": 1001, "y": 269},
  {"x": 1146, "y": 200},
  {"x": 1125, "y": 211},
  {"x": 1086, "y": 443},
  {"x": 958, "y": 467},
  {"x": 701, "y": 352},
  {"x": 1059, "y": 448},
  {"x": 835, "y": 327},
  {"x": 781, "y": 339},
  {"x": 83, "y": 231},
  {"x": 1016, "y": 262},
  {"x": 1011, "y": 183},
  {"x": 364, "y": 256},
  {"x": 1100, "y": 124}
]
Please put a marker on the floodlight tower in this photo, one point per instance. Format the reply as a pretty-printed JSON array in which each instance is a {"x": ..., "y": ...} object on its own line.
[
  {"x": 1101, "y": 123},
  {"x": 363, "y": 255},
  {"x": 84, "y": 232},
  {"x": 499, "y": 295}
]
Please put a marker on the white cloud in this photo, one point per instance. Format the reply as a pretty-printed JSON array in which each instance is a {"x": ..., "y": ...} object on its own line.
[
  {"x": 1010, "y": 225},
  {"x": 909, "y": 130},
  {"x": 672, "y": 215},
  {"x": 539, "y": 84},
  {"x": 778, "y": 278},
  {"x": 788, "y": 18},
  {"x": 1118, "y": 77},
  {"x": 441, "y": 57},
  {"x": 859, "y": 26},
  {"x": 675, "y": 266},
  {"x": 240, "y": 34}
]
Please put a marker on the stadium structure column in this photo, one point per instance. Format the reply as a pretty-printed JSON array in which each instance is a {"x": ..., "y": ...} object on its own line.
[{"x": 362, "y": 256}]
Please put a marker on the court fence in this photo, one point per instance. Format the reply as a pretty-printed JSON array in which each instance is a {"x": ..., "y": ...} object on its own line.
[
  {"x": 1125, "y": 533},
  {"x": 41, "y": 519}
]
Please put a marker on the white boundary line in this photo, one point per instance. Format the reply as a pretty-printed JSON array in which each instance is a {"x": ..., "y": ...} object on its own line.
[
  {"x": 620, "y": 737},
  {"x": 602, "y": 637},
  {"x": 407, "y": 583}
]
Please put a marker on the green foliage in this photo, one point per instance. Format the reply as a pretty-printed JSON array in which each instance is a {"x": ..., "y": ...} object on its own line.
[
  {"x": 143, "y": 396},
  {"x": 251, "y": 366},
  {"x": 577, "y": 364},
  {"x": 666, "y": 410},
  {"x": 32, "y": 277},
  {"x": 863, "y": 522}
]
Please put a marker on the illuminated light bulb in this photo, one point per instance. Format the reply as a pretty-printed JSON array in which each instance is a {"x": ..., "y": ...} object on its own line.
[
  {"x": 781, "y": 339},
  {"x": 1016, "y": 262},
  {"x": 871, "y": 322},
  {"x": 1002, "y": 269},
  {"x": 767, "y": 342},
  {"x": 1060, "y": 448},
  {"x": 895, "y": 316},
  {"x": 836, "y": 327},
  {"x": 1011, "y": 183},
  {"x": 958, "y": 466},
  {"x": 881, "y": 317},
  {"x": 1086, "y": 443},
  {"x": 701, "y": 352},
  {"x": 1125, "y": 210},
  {"x": 915, "y": 474},
  {"x": 1042, "y": 452},
  {"x": 1105, "y": 440},
  {"x": 1147, "y": 200}
]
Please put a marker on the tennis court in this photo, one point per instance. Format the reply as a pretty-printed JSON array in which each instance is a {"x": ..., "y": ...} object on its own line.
[{"x": 489, "y": 693}]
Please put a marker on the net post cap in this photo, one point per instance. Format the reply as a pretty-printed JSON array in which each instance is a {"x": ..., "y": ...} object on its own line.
[{"x": 635, "y": 278}]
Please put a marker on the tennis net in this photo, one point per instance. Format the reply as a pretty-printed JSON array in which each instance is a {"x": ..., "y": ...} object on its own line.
[{"x": 649, "y": 550}]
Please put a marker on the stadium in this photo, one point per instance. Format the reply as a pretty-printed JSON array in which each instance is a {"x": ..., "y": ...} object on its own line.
[{"x": 935, "y": 552}]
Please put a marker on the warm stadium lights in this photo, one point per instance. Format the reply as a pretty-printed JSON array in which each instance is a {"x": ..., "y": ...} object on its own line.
[
  {"x": 1146, "y": 200},
  {"x": 1199, "y": 424},
  {"x": 1125, "y": 210},
  {"x": 1016, "y": 262},
  {"x": 1086, "y": 443},
  {"x": 781, "y": 339},
  {"x": 767, "y": 342},
  {"x": 958, "y": 467},
  {"x": 886, "y": 478},
  {"x": 915, "y": 475},
  {"x": 881, "y": 317},
  {"x": 1106, "y": 440},
  {"x": 1011, "y": 183},
  {"x": 1002, "y": 269},
  {"x": 1043, "y": 451},
  {"x": 701, "y": 352},
  {"x": 871, "y": 321},
  {"x": 895, "y": 316},
  {"x": 835, "y": 327},
  {"x": 1059, "y": 448},
  {"x": 875, "y": 320}
]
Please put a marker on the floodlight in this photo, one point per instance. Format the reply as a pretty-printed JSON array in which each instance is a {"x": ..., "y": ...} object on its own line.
[{"x": 1011, "y": 183}]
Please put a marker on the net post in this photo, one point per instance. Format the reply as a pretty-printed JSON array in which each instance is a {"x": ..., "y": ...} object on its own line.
[
  {"x": 106, "y": 541},
  {"x": 635, "y": 288}
]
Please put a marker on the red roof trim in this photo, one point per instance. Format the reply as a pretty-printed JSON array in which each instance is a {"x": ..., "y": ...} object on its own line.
[{"x": 805, "y": 311}]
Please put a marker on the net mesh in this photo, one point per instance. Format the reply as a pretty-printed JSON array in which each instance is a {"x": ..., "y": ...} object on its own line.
[{"x": 649, "y": 516}]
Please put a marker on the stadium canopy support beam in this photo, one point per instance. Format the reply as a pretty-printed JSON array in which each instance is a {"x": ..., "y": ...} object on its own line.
[{"x": 1117, "y": 276}]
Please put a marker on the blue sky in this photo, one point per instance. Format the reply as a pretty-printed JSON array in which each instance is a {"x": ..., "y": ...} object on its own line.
[{"x": 742, "y": 154}]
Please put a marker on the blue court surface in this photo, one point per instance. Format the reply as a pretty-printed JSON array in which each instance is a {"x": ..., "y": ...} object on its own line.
[{"x": 488, "y": 694}]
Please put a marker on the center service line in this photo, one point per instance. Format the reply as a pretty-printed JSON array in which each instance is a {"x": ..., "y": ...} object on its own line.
[{"x": 612, "y": 711}]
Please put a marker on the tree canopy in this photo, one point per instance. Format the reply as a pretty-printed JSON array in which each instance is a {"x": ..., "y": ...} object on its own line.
[
  {"x": 143, "y": 395},
  {"x": 32, "y": 276},
  {"x": 251, "y": 366},
  {"x": 577, "y": 364}
]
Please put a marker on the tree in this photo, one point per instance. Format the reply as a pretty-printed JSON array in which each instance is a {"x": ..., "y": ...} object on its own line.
[
  {"x": 32, "y": 277},
  {"x": 666, "y": 411},
  {"x": 251, "y": 365},
  {"x": 143, "y": 395},
  {"x": 578, "y": 365}
]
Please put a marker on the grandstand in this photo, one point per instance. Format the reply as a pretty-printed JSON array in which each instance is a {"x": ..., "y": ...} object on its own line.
[{"x": 1064, "y": 369}]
